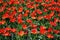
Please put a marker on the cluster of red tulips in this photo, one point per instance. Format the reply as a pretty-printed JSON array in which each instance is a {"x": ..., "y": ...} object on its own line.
[{"x": 39, "y": 16}]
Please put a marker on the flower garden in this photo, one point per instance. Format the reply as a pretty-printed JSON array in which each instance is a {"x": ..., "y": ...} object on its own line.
[{"x": 29, "y": 19}]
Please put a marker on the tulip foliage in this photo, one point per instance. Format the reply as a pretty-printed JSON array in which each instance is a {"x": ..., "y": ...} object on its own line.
[{"x": 29, "y": 19}]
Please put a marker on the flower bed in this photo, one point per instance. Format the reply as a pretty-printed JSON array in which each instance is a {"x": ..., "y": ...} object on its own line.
[{"x": 29, "y": 20}]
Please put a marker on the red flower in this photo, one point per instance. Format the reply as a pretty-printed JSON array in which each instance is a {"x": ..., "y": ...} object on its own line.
[
  {"x": 11, "y": 2},
  {"x": 21, "y": 33},
  {"x": 53, "y": 23},
  {"x": 39, "y": 17},
  {"x": 20, "y": 21},
  {"x": 56, "y": 31},
  {"x": 50, "y": 29},
  {"x": 24, "y": 26},
  {"x": 12, "y": 19},
  {"x": 42, "y": 30},
  {"x": 6, "y": 34},
  {"x": 27, "y": 11},
  {"x": 16, "y": 2},
  {"x": 2, "y": 22},
  {"x": 26, "y": 32},
  {"x": 30, "y": 5},
  {"x": 51, "y": 8},
  {"x": 13, "y": 9},
  {"x": 56, "y": 20},
  {"x": 39, "y": 11},
  {"x": 9, "y": 9},
  {"x": 29, "y": 21},
  {"x": 34, "y": 31},
  {"x": 21, "y": 1},
  {"x": 44, "y": 4},
  {"x": 19, "y": 16},
  {"x": 38, "y": 0},
  {"x": 57, "y": 9},
  {"x": 51, "y": 14},
  {"x": 59, "y": 20},
  {"x": 1, "y": 1},
  {"x": 47, "y": 17},
  {"x": 59, "y": 14},
  {"x": 2, "y": 8},
  {"x": 5, "y": 4},
  {"x": 33, "y": 14},
  {"x": 42, "y": 27},
  {"x": 33, "y": 25},
  {"x": 11, "y": 16},
  {"x": 13, "y": 30},
  {"x": 52, "y": 0},
  {"x": 50, "y": 36},
  {"x": 20, "y": 9},
  {"x": 6, "y": 15},
  {"x": 58, "y": 3},
  {"x": 46, "y": 0},
  {"x": 8, "y": 28},
  {"x": 13, "y": 13},
  {"x": 25, "y": 14},
  {"x": 3, "y": 31},
  {"x": 45, "y": 10}
]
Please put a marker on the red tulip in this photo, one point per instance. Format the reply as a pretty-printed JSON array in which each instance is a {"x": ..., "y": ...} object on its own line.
[
  {"x": 42, "y": 30},
  {"x": 8, "y": 28},
  {"x": 2, "y": 22},
  {"x": 21, "y": 33},
  {"x": 6, "y": 34},
  {"x": 29, "y": 21},
  {"x": 6, "y": 15},
  {"x": 39, "y": 11},
  {"x": 25, "y": 14},
  {"x": 24, "y": 26},
  {"x": 50, "y": 36},
  {"x": 46, "y": 0},
  {"x": 13, "y": 30},
  {"x": 20, "y": 9},
  {"x": 50, "y": 29},
  {"x": 38, "y": 0},
  {"x": 53, "y": 23},
  {"x": 20, "y": 21},
  {"x": 56, "y": 31},
  {"x": 34, "y": 31},
  {"x": 33, "y": 25},
  {"x": 13, "y": 20},
  {"x": 56, "y": 20}
]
